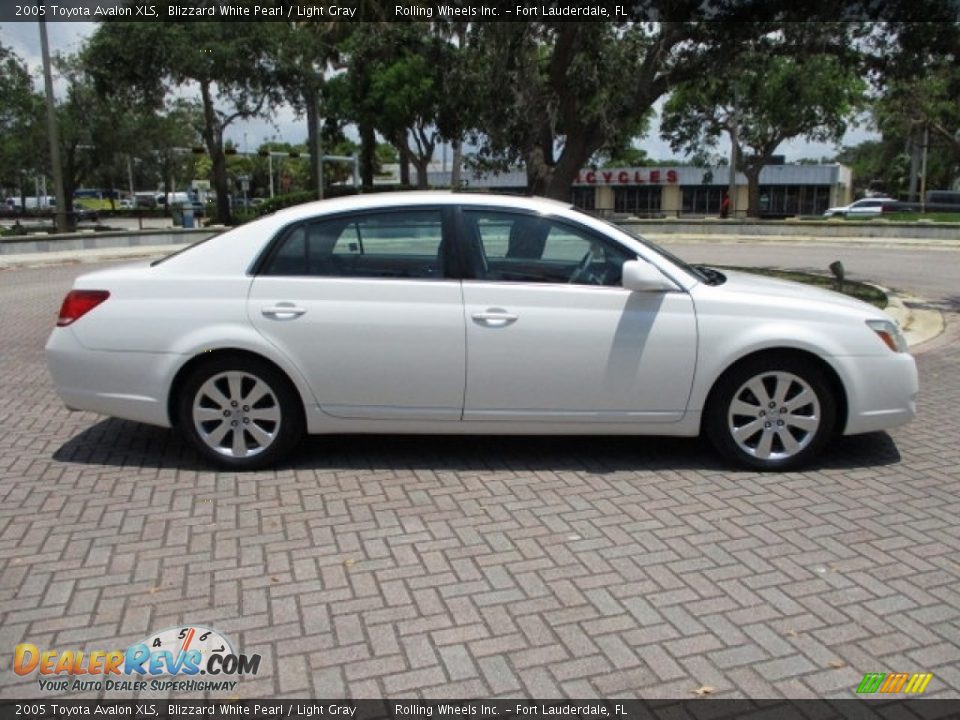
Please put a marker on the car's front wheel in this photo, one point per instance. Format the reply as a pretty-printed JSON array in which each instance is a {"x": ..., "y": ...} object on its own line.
[
  {"x": 772, "y": 413},
  {"x": 240, "y": 413}
]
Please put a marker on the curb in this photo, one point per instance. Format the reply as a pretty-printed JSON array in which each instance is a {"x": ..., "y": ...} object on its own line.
[
  {"x": 918, "y": 321},
  {"x": 75, "y": 257}
]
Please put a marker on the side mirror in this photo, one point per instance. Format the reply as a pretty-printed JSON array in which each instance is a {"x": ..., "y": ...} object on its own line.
[{"x": 640, "y": 276}]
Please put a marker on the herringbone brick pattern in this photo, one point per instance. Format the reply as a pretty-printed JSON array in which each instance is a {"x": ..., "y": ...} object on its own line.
[{"x": 442, "y": 567}]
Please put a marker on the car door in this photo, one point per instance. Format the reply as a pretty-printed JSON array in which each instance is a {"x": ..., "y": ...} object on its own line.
[
  {"x": 363, "y": 305},
  {"x": 553, "y": 337},
  {"x": 865, "y": 208}
]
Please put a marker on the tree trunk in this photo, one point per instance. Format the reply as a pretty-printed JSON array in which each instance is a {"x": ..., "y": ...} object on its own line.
[
  {"x": 422, "y": 164},
  {"x": 539, "y": 172},
  {"x": 310, "y": 99},
  {"x": 753, "y": 189},
  {"x": 213, "y": 139},
  {"x": 556, "y": 181},
  {"x": 915, "y": 150},
  {"x": 403, "y": 154},
  {"x": 69, "y": 174},
  {"x": 457, "y": 161},
  {"x": 368, "y": 148}
]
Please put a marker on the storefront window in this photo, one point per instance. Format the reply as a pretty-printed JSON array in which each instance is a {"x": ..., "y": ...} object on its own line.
[
  {"x": 584, "y": 198},
  {"x": 637, "y": 200},
  {"x": 701, "y": 199},
  {"x": 794, "y": 199}
]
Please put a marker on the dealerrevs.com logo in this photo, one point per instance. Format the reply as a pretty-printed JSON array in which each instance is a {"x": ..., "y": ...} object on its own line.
[{"x": 189, "y": 659}]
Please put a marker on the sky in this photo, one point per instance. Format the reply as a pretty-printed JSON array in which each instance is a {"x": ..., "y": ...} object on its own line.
[{"x": 68, "y": 37}]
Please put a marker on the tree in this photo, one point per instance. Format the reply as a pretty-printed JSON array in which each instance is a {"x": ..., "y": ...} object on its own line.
[
  {"x": 233, "y": 64},
  {"x": 21, "y": 124},
  {"x": 552, "y": 94},
  {"x": 878, "y": 166},
  {"x": 396, "y": 84},
  {"x": 774, "y": 93},
  {"x": 916, "y": 72}
]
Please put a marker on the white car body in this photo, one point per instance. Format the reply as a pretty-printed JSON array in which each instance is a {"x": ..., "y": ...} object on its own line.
[
  {"x": 451, "y": 355},
  {"x": 866, "y": 208}
]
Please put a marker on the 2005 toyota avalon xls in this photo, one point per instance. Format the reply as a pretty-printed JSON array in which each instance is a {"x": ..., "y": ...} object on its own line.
[{"x": 452, "y": 313}]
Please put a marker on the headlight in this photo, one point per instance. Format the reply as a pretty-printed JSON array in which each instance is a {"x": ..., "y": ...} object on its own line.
[{"x": 889, "y": 332}]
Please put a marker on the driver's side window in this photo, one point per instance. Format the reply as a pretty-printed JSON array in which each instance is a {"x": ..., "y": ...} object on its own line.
[{"x": 517, "y": 247}]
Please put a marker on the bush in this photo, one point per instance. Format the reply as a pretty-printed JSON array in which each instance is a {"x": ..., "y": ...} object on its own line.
[
  {"x": 298, "y": 198},
  {"x": 279, "y": 202}
]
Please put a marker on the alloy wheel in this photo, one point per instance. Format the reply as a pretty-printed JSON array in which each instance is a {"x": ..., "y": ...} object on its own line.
[
  {"x": 236, "y": 414},
  {"x": 774, "y": 416}
]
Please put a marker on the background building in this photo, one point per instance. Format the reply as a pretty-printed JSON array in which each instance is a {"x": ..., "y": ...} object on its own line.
[{"x": 785, "y": 190}]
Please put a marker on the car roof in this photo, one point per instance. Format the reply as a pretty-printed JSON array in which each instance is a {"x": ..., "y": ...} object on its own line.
[{"x": 418, "y": 197}]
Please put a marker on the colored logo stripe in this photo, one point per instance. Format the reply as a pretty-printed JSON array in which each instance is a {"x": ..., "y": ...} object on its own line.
[{"x": 893, "y": 683}]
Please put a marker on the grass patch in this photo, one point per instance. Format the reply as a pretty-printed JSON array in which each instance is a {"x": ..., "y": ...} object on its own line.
[
  {"x": 858, "y": 290},
  {"x": 947, "y": 217}
]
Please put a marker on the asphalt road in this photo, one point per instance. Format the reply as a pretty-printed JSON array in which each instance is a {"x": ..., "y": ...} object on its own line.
[
  {"x": 489, "y": 567},
  {"x": 929, "y": 273}
]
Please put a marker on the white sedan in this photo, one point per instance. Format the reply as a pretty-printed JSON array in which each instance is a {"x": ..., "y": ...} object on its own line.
[
  {"x": 866, "y": 208},
  {"x": 467, "y": 314}
]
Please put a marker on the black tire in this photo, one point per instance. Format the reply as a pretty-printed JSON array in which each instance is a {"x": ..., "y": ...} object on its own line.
[
  {"x": 269, "y": 429},
  {"x": 790, "y": 433}
]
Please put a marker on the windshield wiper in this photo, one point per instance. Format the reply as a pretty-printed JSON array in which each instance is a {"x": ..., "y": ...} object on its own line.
[{"x": 714, "y": 277}]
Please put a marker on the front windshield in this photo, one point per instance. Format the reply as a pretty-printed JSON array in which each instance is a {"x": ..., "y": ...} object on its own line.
[{"x": 683, "y": 264}]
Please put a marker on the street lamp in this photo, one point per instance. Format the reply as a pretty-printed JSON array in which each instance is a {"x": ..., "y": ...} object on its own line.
[{"x": 270, "y": 161}]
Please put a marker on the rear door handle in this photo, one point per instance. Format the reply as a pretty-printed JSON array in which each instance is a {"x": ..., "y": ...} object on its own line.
[
  {"x": 494, "y": 317},
  {"x": 283, "y": 311}
]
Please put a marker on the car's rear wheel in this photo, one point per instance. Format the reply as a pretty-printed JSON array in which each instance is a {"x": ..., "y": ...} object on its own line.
[
  {"x": 240, "y": 413},
  {"x": 772, "y": 413}
]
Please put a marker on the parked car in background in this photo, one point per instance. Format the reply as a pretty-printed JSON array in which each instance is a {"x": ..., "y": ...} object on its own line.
[
  {"x": 946, "y": 198},
  {"x": 447, "y": 313},
  {"x": 865, "y": 208},
  {"x": 84, "y": 212}
]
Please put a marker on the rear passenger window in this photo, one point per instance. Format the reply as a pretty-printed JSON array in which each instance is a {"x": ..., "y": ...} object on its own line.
[{"x": 392, "y": 244}]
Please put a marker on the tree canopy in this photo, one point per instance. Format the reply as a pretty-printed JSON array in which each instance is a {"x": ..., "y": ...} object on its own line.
[
  {"x": 774, "y": 92},
  {"x": 233, "y": 64}
]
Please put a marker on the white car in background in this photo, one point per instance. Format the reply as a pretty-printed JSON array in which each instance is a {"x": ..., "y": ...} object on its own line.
[
  {"x": 865, "y": 208},
  {"x": 448, "y": 313}
]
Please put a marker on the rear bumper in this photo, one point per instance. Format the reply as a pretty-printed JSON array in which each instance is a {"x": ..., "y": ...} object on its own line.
[{"x": 101, "y": 381}]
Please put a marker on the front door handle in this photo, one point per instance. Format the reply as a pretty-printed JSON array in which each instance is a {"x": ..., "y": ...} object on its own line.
[
  {"x": 494, "y": 317},
  {"x": 283, "y": 311}
]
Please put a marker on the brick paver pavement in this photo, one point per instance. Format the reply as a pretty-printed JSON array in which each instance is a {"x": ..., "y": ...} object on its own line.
[{"x": 444, "y": 567}]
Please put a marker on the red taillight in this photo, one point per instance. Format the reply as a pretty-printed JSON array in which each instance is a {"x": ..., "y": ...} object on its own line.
[{"x": 78, "y": 303}]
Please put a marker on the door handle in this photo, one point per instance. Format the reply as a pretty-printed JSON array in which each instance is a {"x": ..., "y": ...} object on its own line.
[
  {"x": 283, "y": 311},
  {"x": 494, "y": 317}
]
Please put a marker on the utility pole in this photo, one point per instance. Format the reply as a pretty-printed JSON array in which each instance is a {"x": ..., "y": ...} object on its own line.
[
  {"x": 133, "y": 196},
  {"x": 923, "y": 170},
  {"x": 63, "y": 224},
  {"x": 319, "y": 158},
  {"x": 270, "y": 170}
]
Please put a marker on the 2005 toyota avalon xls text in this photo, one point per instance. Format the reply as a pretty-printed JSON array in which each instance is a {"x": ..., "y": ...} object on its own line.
[{"x": 452, "y": 313}]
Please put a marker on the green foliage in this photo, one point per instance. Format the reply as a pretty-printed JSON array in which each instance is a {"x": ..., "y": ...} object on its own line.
[
  {"x": 283, "y": 201},
  {"x": 777, "y": 91},
  {"x": 21, "y": 122},
  {"x": 396, "y": 84},
  {"x": 916, "y": 73},
  {"x": 235, "y": 64},
  {"x": 553, "y": 94}
]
